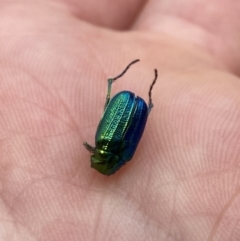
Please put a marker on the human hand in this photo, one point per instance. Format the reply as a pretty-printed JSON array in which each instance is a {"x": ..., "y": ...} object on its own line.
[{"x": 183, "y": 182}]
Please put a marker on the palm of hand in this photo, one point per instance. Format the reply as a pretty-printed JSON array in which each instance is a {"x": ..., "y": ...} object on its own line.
[{"x": 183, "y": 183}]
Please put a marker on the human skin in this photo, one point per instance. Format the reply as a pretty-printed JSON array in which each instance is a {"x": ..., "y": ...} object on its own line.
[{"x": 183, "y": 183}]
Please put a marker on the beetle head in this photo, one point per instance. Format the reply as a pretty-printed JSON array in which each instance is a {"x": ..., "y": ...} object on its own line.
[{"x": 104, "y": 162}]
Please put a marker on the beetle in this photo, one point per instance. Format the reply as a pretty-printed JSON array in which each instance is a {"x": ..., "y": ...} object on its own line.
[{"x": 120, "y": 128}]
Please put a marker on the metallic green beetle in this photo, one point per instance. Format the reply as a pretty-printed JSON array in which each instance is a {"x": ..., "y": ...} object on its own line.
[{"x": 120, "y": 129}]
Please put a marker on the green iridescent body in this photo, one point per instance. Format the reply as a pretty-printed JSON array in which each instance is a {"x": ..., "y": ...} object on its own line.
[{"x": 120, "y": 129}]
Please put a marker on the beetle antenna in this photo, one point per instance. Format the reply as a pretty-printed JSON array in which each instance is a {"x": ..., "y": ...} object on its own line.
[
  {"x": 150, "y": 104},
  {"x": 125, "y": 70}
]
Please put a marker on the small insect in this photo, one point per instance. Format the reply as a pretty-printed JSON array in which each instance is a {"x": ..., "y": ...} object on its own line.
[{"x": 120, "y": 129}]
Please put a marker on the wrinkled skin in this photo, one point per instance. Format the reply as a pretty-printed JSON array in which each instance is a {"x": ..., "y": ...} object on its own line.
[{"x": 183, "y": 183}]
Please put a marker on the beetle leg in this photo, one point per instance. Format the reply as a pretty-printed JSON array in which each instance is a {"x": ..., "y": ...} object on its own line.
[
  {"x": 110, "y": 81},
  {"x": 150, "y": 104},
  {"x": 89, "y": 147}
]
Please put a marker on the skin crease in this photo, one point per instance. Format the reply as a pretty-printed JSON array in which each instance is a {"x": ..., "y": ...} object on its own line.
[{"x": 183, "y": 183}]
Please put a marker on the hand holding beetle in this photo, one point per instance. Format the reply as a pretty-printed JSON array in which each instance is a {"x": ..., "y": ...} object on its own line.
[{"x": 184, "y": 179}]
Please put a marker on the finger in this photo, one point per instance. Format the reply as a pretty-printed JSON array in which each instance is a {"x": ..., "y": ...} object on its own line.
[
  {"x": 214, "y": 26},
  {"x": 118, "y": 14}
]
